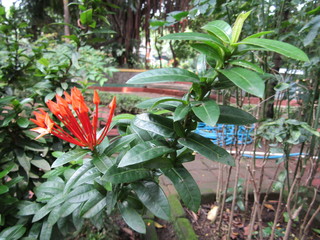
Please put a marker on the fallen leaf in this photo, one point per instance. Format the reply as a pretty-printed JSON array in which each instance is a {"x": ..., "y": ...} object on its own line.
[
  {"x": 128, "y": 231},
  {"x": 158, "y": 225},
  {"x": 213, "y": 213},
  {"x": 269, "y": 206}
]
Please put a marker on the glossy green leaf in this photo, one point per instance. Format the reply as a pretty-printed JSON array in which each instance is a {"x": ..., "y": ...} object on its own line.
[
  {"x": 193, "y": 36},
  {"x": 153, "y": 197},
  {"x": 23, "y": 160},
  {"x": 208, "y": 112},
  {"x": 185, "y": 185},
  {"x": 96, "y": 206},
  {"x": 55, "y": 172},
  {"x": 12, "y": 233},
  {"x": 154, "y": 123},
  {"x": 86, "y": 16},
  {"x": 282, "y": 48},
  {"x": 23, "y": 122},
  {"x": 166, "y": 99},
  {"x": 169, "y": 105},
  {"x": 237, "y": 27},
  {"x": 164, "y": 75},
  {"x": 220, "y": 29},
  {"x": 143, "y": 152},
  {"x": 158, "y": 163},
  {"x": 102, "y": 162},
  {"x": 206, "y": 148},
  {"x": 54, "y": 216},
  {"x": 42, "y": 164},
  {"x": 82, "y": 194},
  {"x": 207, "y": 50},
  {"x": 87, "y": 177},
  {"x": 67, "y": 208},
  {"x": 259, "y": 34},
  {"x": 46, "y": 231},
  {"x": 132, "y": 217},
  {"x": 236, "y": 116},
  {"x": 74, "y": 178},
  {"x": 73, "y": 155},
  {"x": 8, "y": 168},
  {"x": 119, "y": 144},
  {"x": 142, "y": 135},
  {"x": 44, "y": 211},
  {"x": 52, "y": 187},
  {"x": 248, "y": 65},
  {"x": 30, "y": 208},
  {"x": 246, "y": 80},
  {"x": 125, "y": 175},
  {"x": 181, "y": 112}
]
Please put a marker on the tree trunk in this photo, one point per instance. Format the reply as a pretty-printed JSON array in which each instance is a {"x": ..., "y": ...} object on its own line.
[{"x": 66, "y": 16}]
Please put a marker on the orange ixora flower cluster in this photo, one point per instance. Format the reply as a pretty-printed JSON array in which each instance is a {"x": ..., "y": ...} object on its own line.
[{"x": 83, "y": 131}]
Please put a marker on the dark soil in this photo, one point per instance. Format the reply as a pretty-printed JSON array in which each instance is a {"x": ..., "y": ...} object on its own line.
[
  {"x": 166, "y": 232},
  {"x": 206, "y": 230}
]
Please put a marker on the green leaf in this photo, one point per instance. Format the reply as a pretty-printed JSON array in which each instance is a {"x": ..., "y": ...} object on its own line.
[
  {"x": 3, "y": 189},
  {"x": 285, "y": 49},
  {"x": 257, "y": 35},
  {"x": 310, "y": 129},
  {"x": 206, "y": 148},
  {"x": 96, "y": 206},
  {"x": 102, "y": 162},
  {"x": 169, "y": 105},
  {"x": 44, "y": 62},
  {"x": 143, "y": 152},
  {"x": 248, "y": 65},
  {"x": 125, "y": 175},
  {"x": 23, "y": 122},
  {"x": 88, "y": 177},
  {"x": 281, "y": 86},
  {"x": 73, "y": 155},
  {"x": 8, "y": 168},
  {"x": 208, "y": 51},
  {"x": 75, "y": 177},
  {"x": 30, "y": 208},
  {"x": 232, "y": 115},
  {"x": 237, "y": 27},
  {"x": 208, "y": 112},
  {"x": 152, "y": 196},
  {"x": 42, "y": 164},
  {"x": 23, "y": 160},
  {"x": 185, "y": 185},
  {"x": 82, "y": 194},
  {"x": 11, "y": 233},
  {"x": 55, "y": 172},
  {"x": 158, "y": 163},
  {"x": 119, "y": 144},
  {"x": 164, "y": 75},
  {"x": 193, "y": 36},
  {"x": 132, "y": 217},
  {"x": 156, "y": 124},
  {"x": 166, "y": 99},
  {"x": 220, "y": 29},
  {"x": 46, "y": 231},
  {"x": 181, "y": 112},
  {"x": 41, "y": 213},
  {"x": 246, "y": 80},
  {"x": 86, "y": 16},
  {"x": 54, "y": 216}
]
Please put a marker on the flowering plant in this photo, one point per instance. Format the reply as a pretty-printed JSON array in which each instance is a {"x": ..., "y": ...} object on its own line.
[
  {"x": 123, "y": 173},
  {"x": 83, "y": 130}
]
